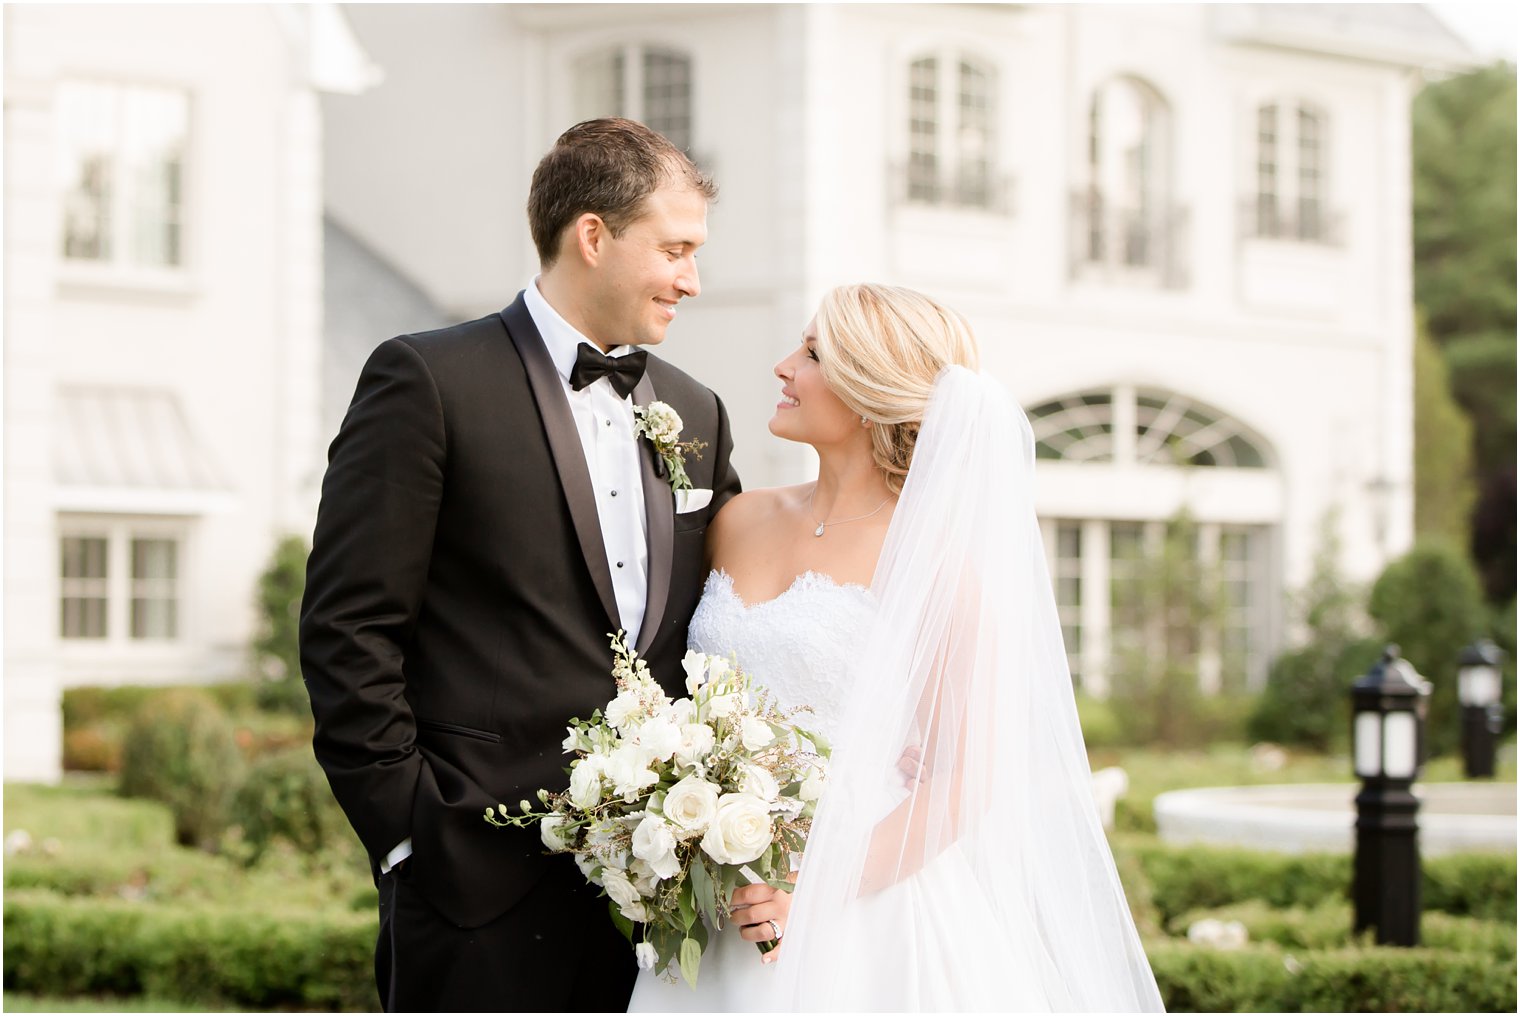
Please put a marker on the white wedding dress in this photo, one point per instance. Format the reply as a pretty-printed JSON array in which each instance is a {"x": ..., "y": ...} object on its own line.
[
  {"x": 801, "y": 646},
  {"x": 988, "y": 883}
]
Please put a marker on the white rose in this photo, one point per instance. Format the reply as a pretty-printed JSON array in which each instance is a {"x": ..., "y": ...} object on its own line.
[
  {"x": 755, "y": 733},
  {"x": 695, "y": 665},
  {"x": 697, "y": 740},
  {"x": 655, "y": 843},
  {"x": 664, "y": 422},
  {"x": 691, "y": 804},
  {"x": 723, "y": 705},
  {"x": 660, "y": 738},
  {"x": 644, "y": 878},
  {"x": 619, "y": 888},
  {"x": 741, "y": 832},
  {"x": 549, "y": 832},
  {"x": 623, "y": 708},
  {"x": 812, "y": 785},
  {"x": 586, "y": 781},
  {"x": 628, "y": 769},
  {"x": 588, "y": 866},
  {"x": 647, "y": 955},
  {"x": 757, "y": 781}
]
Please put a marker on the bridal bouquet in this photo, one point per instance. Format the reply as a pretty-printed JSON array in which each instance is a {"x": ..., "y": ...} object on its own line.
[{"x": 674, "y": 804}]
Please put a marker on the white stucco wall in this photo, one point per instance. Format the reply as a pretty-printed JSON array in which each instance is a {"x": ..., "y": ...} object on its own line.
[{"x": 235, "y": 337}]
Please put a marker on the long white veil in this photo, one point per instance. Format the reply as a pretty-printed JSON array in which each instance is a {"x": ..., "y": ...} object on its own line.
[{"x": 989, "y": 884}]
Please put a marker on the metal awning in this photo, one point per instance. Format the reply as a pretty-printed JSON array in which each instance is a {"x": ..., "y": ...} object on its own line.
[{"x": 131, "y": 450}]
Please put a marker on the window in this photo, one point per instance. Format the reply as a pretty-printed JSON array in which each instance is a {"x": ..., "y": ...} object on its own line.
[
  {"x": 1124, "y": 215},
  {"x": 952, "y": 133},
  {"x": 1243, "y": 579},
  {"x": 121, "y": 173},
  {"x": 82, "y": 588},
  {"x": 120, "y": 580},
  {"x": 650, "y": 84},
  {"x": 1141, "y": 427},
  {"x": 1289, "y": 203},
  {"x": 155, "y": 600},
  {"x": 1068, "y": 581},
  {"x": 1107, "y": 634}
]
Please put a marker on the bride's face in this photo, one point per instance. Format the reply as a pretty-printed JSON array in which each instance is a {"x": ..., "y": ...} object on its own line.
[{"x": 809, "y": 411}]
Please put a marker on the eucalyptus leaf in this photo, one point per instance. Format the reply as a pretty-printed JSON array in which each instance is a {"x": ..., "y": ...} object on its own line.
[
  {"x": 691, "y": 960},
  {"x": 702, "y": 886},
  {"x": 623, "y": 924},
  {"x": 688, "y": 906}
]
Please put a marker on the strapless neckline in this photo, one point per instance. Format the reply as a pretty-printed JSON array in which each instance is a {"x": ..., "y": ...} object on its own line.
[{"x": 722, "y": 580}]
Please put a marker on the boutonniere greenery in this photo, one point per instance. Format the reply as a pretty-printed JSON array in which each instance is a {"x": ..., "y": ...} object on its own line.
[{"x": 662, "y": 426}]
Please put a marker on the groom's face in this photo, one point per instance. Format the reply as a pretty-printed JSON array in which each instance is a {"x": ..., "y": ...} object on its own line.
[{"x": 644, "y": 274}]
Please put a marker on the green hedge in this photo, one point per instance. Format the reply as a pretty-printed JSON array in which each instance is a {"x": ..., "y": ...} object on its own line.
[
  {"x": 1268, "y": 979},
  {"x": 1328, "y": 926},
  {"x": 299, "y": 960},
  {"x": 323, "y": 961},
  {"x": 1194, "y": 878}
]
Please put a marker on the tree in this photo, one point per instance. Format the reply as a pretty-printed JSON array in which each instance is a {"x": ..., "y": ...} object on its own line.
[
  {"x": 1430, "y": 603},
  {"x": 1464, "y": 203},
  {"x": 1306, "y": 698},
  {"x": 1170, "y": 605},
  {"x": 276, "y": 646},
  {"x": 1443, "y": 485},
  {"x": 1464, "y": 278}
]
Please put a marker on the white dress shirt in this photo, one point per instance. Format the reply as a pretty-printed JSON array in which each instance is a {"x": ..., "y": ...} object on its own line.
[{"x": 604, "y": 423}]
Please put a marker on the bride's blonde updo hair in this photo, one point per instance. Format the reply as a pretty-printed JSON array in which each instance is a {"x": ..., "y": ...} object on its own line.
[{"x": 880, "y": 349}]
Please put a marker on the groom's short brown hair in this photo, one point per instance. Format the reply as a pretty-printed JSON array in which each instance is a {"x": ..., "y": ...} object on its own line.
[{"x": 607, "y": 167}]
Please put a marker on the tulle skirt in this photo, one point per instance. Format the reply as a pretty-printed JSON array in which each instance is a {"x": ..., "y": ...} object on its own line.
[{"x": 941, "y": 921}]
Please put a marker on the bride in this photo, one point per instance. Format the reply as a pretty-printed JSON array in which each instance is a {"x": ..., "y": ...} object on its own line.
[{"x": 957, "y": 860}]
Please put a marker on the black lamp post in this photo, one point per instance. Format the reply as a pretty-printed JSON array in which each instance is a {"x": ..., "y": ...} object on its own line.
[
  {"x": 1387, "y": 735},
  {"x": 1479, "y": 691}
]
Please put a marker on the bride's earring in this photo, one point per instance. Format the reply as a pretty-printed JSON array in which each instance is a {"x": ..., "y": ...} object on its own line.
[{"x": 864, "y": 422}]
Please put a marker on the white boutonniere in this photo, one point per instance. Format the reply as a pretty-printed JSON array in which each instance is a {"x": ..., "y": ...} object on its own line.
[{"x": 662, "y": 426}]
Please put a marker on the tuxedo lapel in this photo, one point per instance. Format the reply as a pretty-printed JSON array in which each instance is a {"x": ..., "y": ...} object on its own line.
[
  {"x": 660, "y": 515},
  {"x": 565, "y": 446}
]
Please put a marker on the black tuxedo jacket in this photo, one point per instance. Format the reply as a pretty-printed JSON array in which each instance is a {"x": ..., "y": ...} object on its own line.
[{"x": 458, "y": 596}]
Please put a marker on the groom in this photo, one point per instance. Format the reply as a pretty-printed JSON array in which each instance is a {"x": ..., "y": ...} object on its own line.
[{"x": 487, "y": 517}]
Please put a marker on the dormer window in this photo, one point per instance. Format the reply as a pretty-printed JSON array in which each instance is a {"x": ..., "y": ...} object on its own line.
[{"x": 650, "y": 84}]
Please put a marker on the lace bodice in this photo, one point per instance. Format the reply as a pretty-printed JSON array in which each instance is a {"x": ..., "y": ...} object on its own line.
[{"x": 799, "y": 645}]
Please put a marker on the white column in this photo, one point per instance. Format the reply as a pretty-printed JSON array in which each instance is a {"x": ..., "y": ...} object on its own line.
[
  {"x": 1209, "y": 662},
  {"x": 33, "y": 701},
  {"x": 1096, "y": 640}
]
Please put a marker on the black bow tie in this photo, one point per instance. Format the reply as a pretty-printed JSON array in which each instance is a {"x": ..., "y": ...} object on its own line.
[{"x": 622, "y": 372}]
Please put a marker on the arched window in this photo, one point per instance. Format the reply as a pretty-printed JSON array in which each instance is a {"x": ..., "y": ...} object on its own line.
[
  {"x": 1100, "y": 561},
  {"x": 1141, "y": 427},
  {"x": 650, "y": 84},
  {"x": 1290, "y": 199},
  {"x": 1127, "y": 217},
  {"x": 952, "y": 133}
]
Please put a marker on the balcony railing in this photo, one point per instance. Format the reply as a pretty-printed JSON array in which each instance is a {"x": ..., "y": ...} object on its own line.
[
  {"x": 992, "y": 193},
  {"x": 1113, "y": 242},
  {"x": 1262, "y": 217}
]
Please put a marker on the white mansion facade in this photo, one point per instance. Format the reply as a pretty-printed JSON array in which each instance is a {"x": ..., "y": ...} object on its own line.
[
  {"x": 163, "y": 337},
  {"x": 1181, "y": 232}
]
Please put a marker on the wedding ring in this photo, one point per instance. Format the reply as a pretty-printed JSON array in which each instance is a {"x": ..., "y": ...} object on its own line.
[{"x": 775, "y": 930}]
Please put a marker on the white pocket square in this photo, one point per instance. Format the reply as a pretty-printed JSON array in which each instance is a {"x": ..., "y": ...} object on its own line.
[{"x": 692, "y": 500}]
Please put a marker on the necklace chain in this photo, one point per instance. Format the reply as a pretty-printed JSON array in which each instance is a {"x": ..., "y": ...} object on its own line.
[{"x": 824, "y": 525}]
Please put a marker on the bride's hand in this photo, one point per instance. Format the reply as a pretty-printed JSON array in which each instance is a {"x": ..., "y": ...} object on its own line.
[{"x": 761, "y": 905}]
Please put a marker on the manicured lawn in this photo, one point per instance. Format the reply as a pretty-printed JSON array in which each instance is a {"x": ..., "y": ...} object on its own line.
[{"x": 15, "y": 1002}]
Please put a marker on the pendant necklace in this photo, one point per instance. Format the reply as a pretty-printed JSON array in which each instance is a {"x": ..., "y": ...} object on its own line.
[{"x": 824, "y": 525}]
